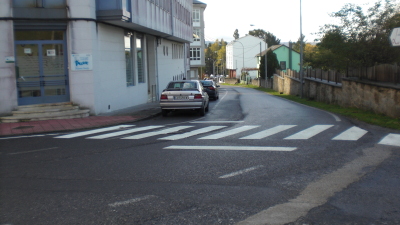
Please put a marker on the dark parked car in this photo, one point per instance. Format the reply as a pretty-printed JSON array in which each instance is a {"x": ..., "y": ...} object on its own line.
[
  {"x": 211, "y": 88},
  {"x": 184, "y": 94}
]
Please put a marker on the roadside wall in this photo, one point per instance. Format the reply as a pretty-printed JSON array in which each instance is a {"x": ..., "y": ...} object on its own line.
[{"x": 376, "y": 97}]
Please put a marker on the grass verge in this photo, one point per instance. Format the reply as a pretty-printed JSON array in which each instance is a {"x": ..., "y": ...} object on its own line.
[{"x": 354, "y": 113}]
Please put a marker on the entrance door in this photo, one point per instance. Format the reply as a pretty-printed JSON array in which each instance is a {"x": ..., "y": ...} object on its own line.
[{"x": 42, "y": 75}]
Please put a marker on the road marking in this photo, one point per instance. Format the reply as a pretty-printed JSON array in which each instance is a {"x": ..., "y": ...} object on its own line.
[
  {"x": 119, "y": 133},
  {"x": 130, "y": 201},
  {"x": 192, "y": 133},
  {"x": 79, "y": 134},
  {"x": 217, "y": 122},
  {"x": 39, "y": 150},
  {"x": 39, "y": 135},
  {"x": 318, "y": 192},
  {"x": 391, "y": 139},
  {"x": 268, "y": 132},
  {"x": 309, "y": 133},
  {"x": 229, "y": 132},
  {"x": 233, "y": 148},
  {"x": 241, "y": 172},
  {"x": 351, "y": 134},
  {"x": 154, "y": 133}
]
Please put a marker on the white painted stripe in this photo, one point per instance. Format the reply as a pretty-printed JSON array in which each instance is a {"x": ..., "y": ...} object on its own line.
[
  {"x": 154, "y": 133},
  {"x": 241, "y": 172},
  {"x": 83, "y": 133},
  {"x": 119, "y": 133},
  {"x": 268, "y": 132},
  {"x": 192, "y": 133},
  {"x": 39, "y": 150},
  {"x": 391, "y": 139},
  {"x": 40, "y": 135},
  {"x": 229, "y": 132},
  {"x": 217, "y": 122},
  {"x": 309, "y": 133},
  {"x": 130, "y": 201},
  {"x": 352, "y": 134},
  {"x": 233, "y": 148}
]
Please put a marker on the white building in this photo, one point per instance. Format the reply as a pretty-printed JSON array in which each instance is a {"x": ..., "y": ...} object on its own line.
[
  {"x": 197, "y": 47},
  {"x": 241, "y": 56},
  {"x": 104, "y": 55}
]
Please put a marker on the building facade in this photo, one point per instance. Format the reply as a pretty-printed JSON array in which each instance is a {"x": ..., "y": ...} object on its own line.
[
  {"x": 241, "y": 56},
  {"x": 286, "y": 56},
  {"x": 104, "y": 55},
  {"x": 197, "y": 47}
]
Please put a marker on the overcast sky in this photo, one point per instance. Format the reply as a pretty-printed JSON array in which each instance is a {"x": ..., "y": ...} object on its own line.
[{"x": 280, "y": 17}]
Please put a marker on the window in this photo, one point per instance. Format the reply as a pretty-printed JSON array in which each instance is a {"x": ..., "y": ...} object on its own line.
[
  {"x": 196, "y": 16},
  {"x": 196, "y": 34},
  {"x": 283, "y": 65},
  {"x": 130, "y": 81},
  {"x": 195, "y": 53},
  {"x": 139, "y": 58},
  {"x": 177, "y": 51}
]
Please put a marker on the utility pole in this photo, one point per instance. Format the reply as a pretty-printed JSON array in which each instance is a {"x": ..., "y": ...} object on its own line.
[{"x": 301, "y": 55}]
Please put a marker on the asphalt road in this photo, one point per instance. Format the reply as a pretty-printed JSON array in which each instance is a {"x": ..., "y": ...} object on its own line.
[{"x": 253, "y": 159}]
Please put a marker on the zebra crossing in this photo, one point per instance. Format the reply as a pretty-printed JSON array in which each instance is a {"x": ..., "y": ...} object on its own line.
[{"x": 131, "y": 132}]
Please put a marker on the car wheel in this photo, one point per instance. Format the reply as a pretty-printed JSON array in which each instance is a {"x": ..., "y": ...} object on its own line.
[
  {"x": 208, "y": 106},
  {"x": 164, "y": 112},
  {"x": 202, "y": 111}
]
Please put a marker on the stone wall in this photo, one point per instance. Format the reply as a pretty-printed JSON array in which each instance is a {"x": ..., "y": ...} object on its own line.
[{"x": 372, "y": 96}]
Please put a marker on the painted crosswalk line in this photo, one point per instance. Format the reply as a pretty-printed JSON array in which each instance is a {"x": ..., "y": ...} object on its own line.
[
  {"x": 119, "y": 133},
  {"x": 155, "y": 133},
  {"x": 192, "y": 133},
  {"x": 352, "y": 134},
  {"x": 232, "y": 148},
  {"x": 309, "y": 133},
  {"x": 84, "y": 133},
  {"x": 229, "y": 132},
  {"x": 268, "y": 132},
  {"x": 391, "y": 139}
]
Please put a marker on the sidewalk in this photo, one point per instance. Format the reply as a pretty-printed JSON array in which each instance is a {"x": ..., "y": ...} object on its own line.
[{"x": 127, "y": 115}]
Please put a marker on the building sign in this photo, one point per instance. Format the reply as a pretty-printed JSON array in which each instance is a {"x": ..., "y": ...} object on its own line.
[
  {"x": 51, "y": 52},
  {"x": 81, "y": 62},
  {"x": 10, "y": 59}
]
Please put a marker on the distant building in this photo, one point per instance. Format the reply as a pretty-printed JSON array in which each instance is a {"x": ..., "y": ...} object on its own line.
[
  {"x": 104, "y": 55},
  {"x": 197, "y": 47},
  {"x": 241, "y": 56},
  {"x": 287, "y": 58}
]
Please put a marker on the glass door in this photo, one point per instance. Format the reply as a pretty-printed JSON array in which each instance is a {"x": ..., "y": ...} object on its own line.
[{"x": 41, "y": 72}]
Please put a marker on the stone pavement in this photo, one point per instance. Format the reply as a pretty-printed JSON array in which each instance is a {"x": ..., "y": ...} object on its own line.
[{"x": 127, "y": 115}]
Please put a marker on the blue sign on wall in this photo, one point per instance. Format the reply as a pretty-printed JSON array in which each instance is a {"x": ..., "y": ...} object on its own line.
[{"x": 81, "y": 62}]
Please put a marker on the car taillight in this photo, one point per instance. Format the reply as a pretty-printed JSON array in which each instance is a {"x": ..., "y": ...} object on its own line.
[
  {"x": 197, "y": 96},
  {"x": 211, "y": 88},
  {"x": 164, "y": 97}
]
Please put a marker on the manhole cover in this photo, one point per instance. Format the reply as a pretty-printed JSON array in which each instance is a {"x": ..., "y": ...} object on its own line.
[{"x": 24, "y": 127}]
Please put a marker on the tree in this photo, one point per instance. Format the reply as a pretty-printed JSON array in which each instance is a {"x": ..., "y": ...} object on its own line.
[
  {"x": 272, "y": 64},
  {"x": 361, "y": 38},
  {"x": 215, "y": 56},
  {"x": 236, "y": 34},
  {"x": 266, "y": 36}
]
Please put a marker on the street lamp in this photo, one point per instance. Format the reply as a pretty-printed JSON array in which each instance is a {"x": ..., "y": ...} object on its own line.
[{"x": 243, "y": 57}]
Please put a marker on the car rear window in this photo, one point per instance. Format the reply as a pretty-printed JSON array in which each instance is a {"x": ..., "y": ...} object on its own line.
[
  {"x": 207, "y": 83},
  {"x": 182, "y": 85}
]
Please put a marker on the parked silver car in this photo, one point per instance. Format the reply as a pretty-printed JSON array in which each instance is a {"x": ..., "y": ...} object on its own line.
[{"x": 184, "y": 94}]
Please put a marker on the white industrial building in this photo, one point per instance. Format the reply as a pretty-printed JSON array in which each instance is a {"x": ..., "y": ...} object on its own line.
[{"x": 104, "y": 55}]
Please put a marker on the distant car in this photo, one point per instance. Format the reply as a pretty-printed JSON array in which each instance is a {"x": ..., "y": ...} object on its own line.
[
  {"x": 211, "y": 88},
  {"x": 184, "y": 94}
]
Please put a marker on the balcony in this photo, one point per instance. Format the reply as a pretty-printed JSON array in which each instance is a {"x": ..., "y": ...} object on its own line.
[{"x": 113, "y": 10}]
